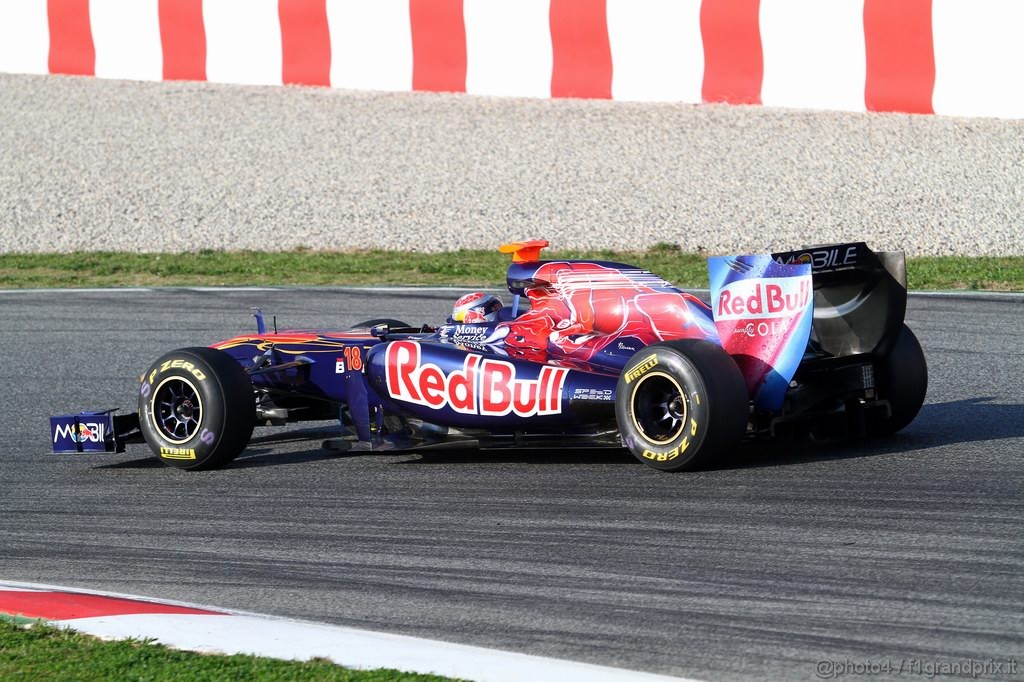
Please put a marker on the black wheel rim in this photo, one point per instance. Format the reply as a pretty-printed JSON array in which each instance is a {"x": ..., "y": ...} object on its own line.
[
  {"x": 659, "y": 408},
  {"x": 177, "y": 410}
]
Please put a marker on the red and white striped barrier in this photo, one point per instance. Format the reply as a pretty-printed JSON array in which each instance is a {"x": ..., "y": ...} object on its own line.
[
  {"x": 920, "y": 56},
  {"x": 207, "y": 630}
]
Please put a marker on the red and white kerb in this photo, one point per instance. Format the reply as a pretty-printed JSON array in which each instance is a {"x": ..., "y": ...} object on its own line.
[{"x": 948, "y": 57}]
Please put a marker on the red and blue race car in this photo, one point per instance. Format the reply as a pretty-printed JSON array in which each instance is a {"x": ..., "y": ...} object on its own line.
[{"x": 801, "y": 344}]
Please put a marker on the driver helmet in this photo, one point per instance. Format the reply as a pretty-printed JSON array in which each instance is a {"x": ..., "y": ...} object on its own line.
[{"x": 476, "y": 307}]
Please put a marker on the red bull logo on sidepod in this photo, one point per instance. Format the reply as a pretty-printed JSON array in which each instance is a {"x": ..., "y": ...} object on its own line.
[{"x": 483, "y": 386}]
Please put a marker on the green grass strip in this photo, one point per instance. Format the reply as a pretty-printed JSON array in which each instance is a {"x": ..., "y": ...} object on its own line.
[
  {"x": 456, "y": 268},
  {"x": 42, "y": 652}
]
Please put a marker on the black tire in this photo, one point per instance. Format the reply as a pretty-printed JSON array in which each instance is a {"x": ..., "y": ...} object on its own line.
[
  {"x": 902, "y": 379},
  {"x": 196, "y": 408},
  {"x": 681, "y": 404},
  {"x": 394, "y": 324}
]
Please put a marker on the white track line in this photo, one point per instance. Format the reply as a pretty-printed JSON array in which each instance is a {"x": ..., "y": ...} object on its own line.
[
  {"x": 969, "y": 292},
  {"x": 216, "y": 289},
  {"x": 116, "y": 290},
  {"x": 136, "y": 290},
  {"x": 237, "y": 632},
  {"x": 955, "y": 293}
]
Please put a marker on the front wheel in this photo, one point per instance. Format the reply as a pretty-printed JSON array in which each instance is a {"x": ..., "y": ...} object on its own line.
[
  {"x": 196, "y": 408},
  {"x": 681, "y": 404}
]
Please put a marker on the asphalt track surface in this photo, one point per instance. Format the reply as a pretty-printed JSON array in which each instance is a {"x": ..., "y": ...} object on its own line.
[{"x": 908, "y": 548}]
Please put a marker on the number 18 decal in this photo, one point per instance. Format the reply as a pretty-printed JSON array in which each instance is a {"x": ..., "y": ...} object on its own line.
[{"x": 354, "y": 357}]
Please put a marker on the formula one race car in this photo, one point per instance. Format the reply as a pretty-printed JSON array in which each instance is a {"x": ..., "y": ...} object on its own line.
[{"x": 806, "y": 344}]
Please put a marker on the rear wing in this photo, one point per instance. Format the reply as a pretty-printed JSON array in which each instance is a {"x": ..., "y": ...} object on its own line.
[{"x": 860, "y": 296}]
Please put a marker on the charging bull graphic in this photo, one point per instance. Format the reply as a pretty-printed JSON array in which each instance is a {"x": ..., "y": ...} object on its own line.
[{"x": 579, "y": 309}]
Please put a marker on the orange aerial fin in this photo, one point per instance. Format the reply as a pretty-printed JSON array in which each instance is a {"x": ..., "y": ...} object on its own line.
[{"x": 524, "y": 252}]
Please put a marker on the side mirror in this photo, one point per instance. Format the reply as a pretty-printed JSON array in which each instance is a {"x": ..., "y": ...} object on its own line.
[{"x": 380, "y": 330}]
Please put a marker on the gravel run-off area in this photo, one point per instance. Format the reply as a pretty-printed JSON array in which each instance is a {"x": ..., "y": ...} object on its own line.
[{"x": 88, "y": 164}]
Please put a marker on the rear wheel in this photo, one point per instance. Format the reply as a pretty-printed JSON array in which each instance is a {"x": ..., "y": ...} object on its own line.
[
  {"x": 902, "y": 379},
  {"x": 196, "y": 408},
  {"x": 681, "y": 404}
]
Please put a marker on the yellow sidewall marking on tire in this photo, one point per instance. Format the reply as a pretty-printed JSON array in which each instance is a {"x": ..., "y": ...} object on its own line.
[
  {"x": 177, "y": 453},
  {"x": 642, "y": 368}
]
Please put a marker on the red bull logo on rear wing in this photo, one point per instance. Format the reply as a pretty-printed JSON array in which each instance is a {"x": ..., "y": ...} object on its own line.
[{"x": 762, "y": 310}]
